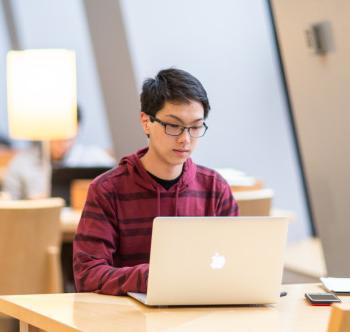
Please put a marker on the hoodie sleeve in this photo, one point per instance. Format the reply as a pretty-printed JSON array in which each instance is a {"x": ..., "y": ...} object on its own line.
[
  {"x": 227, "y": 204},
  {"x": 94, "y": 247}
]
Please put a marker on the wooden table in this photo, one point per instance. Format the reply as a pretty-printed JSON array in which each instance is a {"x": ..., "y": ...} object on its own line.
[{"x": 93, "y": 312}]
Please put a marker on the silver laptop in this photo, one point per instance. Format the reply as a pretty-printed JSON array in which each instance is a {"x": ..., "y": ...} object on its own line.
[{"x": 215, "y": 261}]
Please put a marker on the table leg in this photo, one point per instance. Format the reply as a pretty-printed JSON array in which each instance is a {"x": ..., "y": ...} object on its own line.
[{"x": 25, "y": 327}]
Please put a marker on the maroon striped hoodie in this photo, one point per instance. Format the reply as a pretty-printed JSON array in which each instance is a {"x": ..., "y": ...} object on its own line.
[{"x": 113, "y": 239}]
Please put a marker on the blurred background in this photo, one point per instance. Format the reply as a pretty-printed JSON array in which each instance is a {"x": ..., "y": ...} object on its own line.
[{"x": 229, "y": 46}]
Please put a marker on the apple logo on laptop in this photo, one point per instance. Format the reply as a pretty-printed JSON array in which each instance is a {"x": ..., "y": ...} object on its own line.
[{"x": 217, "y": 261}]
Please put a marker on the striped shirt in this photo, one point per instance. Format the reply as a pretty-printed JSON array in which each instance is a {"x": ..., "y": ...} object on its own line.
[{"x": 113, "y": 240}]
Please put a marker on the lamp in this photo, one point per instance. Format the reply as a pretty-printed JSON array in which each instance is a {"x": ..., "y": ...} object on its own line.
[{"x": 42, "y": 97}]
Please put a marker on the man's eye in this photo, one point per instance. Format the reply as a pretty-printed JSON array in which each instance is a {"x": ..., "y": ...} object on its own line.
[{"x": 174, "y": 126}]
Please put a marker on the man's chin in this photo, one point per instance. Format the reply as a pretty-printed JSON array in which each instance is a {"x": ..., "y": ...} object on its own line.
[{"x": 179, "y": 160}]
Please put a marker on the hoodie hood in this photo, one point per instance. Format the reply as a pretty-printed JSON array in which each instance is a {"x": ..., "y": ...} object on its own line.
[{"x": 143, "y": 179}]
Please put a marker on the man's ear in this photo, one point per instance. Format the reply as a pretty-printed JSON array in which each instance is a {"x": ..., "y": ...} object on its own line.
[{"x": 145, "y": 123}]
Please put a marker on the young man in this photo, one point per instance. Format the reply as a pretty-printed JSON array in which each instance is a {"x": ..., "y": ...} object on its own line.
[{"x": 113, "y": 240}]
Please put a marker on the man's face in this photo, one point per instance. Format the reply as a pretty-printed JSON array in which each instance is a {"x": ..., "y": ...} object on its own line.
[
  {"x": 173, "y": 150},
  {"x": 58, "y": 148}
]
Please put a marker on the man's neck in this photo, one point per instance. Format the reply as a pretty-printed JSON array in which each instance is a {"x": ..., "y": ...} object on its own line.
[{"x": 159, "y": 168}]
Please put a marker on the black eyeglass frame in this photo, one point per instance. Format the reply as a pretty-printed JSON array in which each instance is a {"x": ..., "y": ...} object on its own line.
[{"x": 183, "y": 128}]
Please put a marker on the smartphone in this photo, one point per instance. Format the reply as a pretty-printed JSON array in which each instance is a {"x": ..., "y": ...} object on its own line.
[{"x": 321, "y": 298}]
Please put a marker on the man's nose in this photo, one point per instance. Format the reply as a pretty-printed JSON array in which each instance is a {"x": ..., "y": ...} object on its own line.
[{"x": 185, "y": 136}]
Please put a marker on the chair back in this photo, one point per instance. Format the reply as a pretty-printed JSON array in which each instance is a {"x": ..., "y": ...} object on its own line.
[
  {"x": 255, "y": 202},
  {"x": 78, "y": 193},
  {"x": 30, "y": 239}
]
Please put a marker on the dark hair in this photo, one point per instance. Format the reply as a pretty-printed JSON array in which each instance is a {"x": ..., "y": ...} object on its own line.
[{"x": 173, "y": 85}]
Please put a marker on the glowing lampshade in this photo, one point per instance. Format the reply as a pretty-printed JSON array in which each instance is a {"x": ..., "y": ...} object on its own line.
[{"x": 42, "y": 94}]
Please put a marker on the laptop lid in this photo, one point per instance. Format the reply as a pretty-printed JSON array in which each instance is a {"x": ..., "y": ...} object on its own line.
[{"x": 216, "y": 260}]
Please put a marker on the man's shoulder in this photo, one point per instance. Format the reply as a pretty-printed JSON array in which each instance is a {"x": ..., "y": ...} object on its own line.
[
  {"x": 112, "y": 179},
  {"x": 209, "y": 173}
]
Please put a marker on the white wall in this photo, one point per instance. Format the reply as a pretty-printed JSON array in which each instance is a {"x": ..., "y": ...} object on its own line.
[
  {"x": 229, "y": 46},
  {"x": 61, "y": 24}
]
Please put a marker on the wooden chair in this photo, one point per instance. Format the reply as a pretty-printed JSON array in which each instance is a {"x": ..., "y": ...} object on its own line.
[
  {"x": 30, "y": 238},
  {"x": 255, "y": 202},
  {"x": 78, "y": 193},
  {"x": 340, "y": 318},
  {"x": 256, "y": 186},
  {"x": 29, "y": 250}
]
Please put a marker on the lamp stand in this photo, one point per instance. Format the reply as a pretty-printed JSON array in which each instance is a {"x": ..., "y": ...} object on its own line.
[{"x": 46, "y": 166}]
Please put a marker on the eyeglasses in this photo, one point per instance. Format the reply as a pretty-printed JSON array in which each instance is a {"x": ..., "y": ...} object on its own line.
[{"x": 177, "y": 130}]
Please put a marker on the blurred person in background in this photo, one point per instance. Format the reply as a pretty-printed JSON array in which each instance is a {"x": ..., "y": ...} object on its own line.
[
  {"x": 24, "y": 178},
  {"x": 4, "y": 143},
  {"x": 6, "y": 153}
]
